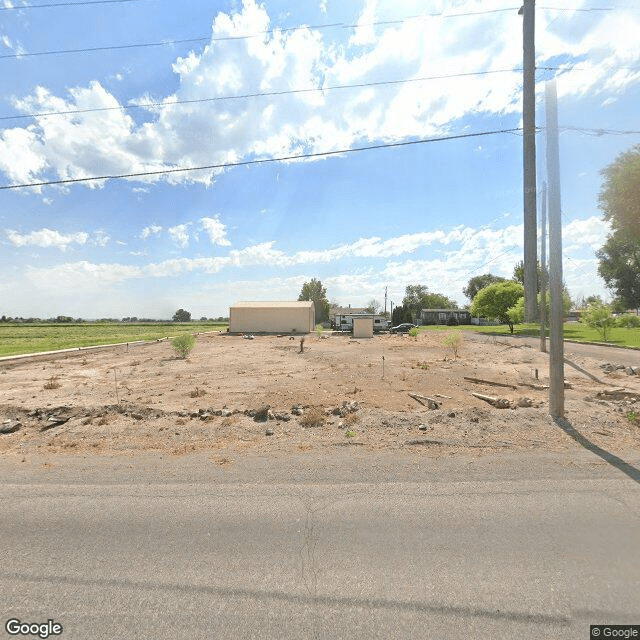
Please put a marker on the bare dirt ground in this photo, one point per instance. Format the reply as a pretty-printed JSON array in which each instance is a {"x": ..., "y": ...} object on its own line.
[{"x": 338, "y": 392}]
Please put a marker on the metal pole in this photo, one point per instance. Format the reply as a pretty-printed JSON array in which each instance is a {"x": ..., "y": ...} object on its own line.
[
  {"x": 556, "y": 357},
  {"x": 543, "y": 269},
  {"x": 529, "y": 159}
]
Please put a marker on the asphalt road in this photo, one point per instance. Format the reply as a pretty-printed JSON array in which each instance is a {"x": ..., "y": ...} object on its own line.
[{"x": 352, "y": 547}]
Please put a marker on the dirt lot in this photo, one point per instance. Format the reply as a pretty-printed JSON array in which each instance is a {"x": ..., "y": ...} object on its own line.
[{"x": 337, "y": 392}]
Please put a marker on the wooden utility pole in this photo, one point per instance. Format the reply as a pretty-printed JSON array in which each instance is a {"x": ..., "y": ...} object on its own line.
[
  {"x": 556, "y": 345},
  {"x": 528, "y": 11},
  {"x": 543, "y": 268}
]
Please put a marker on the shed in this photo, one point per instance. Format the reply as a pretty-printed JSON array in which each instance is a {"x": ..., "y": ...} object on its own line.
[
  {"x": 272, "y": 317},
  {"x": 363, "y": 327}
]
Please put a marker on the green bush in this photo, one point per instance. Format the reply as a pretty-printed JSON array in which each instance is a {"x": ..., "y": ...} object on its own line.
[
  {"x": 183, "y": 344},
  {"x": 598, "y": 316},
  {"x": 414, "y": 332},
  {"x": 629, "y": 321}
]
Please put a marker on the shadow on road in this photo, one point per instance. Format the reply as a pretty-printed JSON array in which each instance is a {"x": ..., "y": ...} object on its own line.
[
  {"x": 298, "y": 599},
  {"x": 607, "y": 456}
]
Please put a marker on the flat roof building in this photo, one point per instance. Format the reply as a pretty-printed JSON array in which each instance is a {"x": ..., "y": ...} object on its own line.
[{"x": 272, "y": 317}]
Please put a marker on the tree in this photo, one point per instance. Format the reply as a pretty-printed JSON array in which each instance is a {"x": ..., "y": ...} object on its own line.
[
  {"x": 313, "y": 290},
  {"x": 400, "y": 315},
  {"x": 598, "y": 316},
  {"x": 495, "y": 301},
  {"x": 619, "y": 201},
  {"x": 181, "y": 316},
  {"x": 417, "y": 297},
  {"x": 480, "y": 282},
  {"x": 619, "y": 198},
  {"x": 620, "y": 265},
  {"x": 373, "y": 307}
]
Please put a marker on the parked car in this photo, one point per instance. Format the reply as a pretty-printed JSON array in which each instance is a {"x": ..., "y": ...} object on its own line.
[{"x": 405, "y": 327}]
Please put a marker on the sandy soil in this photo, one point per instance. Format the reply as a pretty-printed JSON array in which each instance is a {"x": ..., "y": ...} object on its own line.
[{"x": 350, "y": 393}]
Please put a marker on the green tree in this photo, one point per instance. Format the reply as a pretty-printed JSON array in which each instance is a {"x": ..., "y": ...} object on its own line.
[
  {"x": 480, "y": 282},
  {"x": 417, "y": 297},
  {"x": 181, "y": 316},
  {"x": 619, "y": 200},
  {"x": 620, "y": 267},
  {"x": 598, "y": 316},
  {"x": 400, "y": 315},
  {"x": 495, "y": 301},
  {"x": 313, "y": 290}
]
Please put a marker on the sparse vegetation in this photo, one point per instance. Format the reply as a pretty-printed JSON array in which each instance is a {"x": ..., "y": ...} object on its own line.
[
  {"x": 350, "y": 434},
  {"x": 52, "y": 383},
  {"x": 319, "y": 330},
  {"x": 197, "y": 393},
  {"x": 599, "y": 317},
  {"x": 414, "y": 332},
  {"x": 632, "y": 416},
  {"x": 453, "y": 341},
  {"x": 183, "y": 344},
  {"x": 313, "y": 417}
]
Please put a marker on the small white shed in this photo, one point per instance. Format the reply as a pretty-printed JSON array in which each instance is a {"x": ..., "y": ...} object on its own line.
[
  {"x": 272, "y": 317},
  {"x": 363, "y": 327}
]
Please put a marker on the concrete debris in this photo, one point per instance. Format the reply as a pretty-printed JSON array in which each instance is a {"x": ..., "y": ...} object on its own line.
[
  {"x": 297, "y": 410},
  {"x": 498, "y": 403},
  {"x": 346, "y": 408},
  {"x": 268, "y": 432},
  {"x": 10, "y": 426}
]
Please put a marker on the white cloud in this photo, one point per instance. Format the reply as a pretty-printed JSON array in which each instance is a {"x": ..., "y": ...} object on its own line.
[
  {"x": 80, "y": 276},
  {"x": 180, "y": 234},
  {"x": 152, "y": 230},
  {"x": 46, "y": 238},
  {"x": 224, "y": 131},
  {"x": 101, "y": 239},
  {"x": 216, "y": 231}
]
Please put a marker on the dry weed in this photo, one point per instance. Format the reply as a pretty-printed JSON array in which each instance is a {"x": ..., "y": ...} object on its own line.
[
  {"x": 351, "y": 419},
  {"x": 197, "y": 392},
  {"x": 313, "y": 417},
  {"x": 52, "y": 383}
]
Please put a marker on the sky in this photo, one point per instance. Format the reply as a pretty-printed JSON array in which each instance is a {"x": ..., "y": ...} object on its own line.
[{"x": 371, "y": 144}]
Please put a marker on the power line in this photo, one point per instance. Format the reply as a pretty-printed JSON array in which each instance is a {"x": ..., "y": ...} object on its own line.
[
  {"x": 229, "y": 165},
  {"x": 262, "y": 94},
  {"x": 258, "y": 34},
  {"x": 64, "y": 4}
]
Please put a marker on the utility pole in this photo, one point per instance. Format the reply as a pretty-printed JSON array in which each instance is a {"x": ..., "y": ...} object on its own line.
[
  {"x": 528, "y": 12},
  {"x": 543, "y": 268},
  {"x": 556, "y": 344},
  {"x": 385, "y": 301}
]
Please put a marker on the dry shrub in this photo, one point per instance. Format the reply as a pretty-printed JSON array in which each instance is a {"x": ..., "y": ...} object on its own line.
[
  {"x": 197, "y": 393},
  {"x": 351, "y": 418},
  {"x": 52, "y": 383},
  {"x": 313, "y": 417}
]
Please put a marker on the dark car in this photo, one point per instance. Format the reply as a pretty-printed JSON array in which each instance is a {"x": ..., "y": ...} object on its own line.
[{"x": 405, "y": 327}]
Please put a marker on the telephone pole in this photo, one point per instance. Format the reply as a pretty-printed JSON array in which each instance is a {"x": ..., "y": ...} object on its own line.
[
  {"x": 528, "y": 12},
  {"x": 556, "y": 342}
]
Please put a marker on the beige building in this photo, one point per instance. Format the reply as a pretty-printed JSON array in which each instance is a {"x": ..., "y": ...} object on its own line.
[
  {"x": 363, "y": 327},
  {"x": 272, "y": 317}
]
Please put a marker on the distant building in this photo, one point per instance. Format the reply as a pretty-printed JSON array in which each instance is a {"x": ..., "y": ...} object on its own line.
[
  {"x": 445, "y": 316},
  {"x": 272, "y": 317},
  {"x": 344, "y": 322}
]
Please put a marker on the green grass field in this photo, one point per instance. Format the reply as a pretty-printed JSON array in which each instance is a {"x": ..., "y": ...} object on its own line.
[
  {"x": 572, "y": 331},
  {"x": 21, "y": 338}
]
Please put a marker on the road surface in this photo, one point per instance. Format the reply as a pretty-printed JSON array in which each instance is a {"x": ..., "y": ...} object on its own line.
[{"x": 357, "y": 546}]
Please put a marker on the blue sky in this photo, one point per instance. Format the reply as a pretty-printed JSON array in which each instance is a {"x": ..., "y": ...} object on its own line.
[{"x": 433, "y": 213}]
